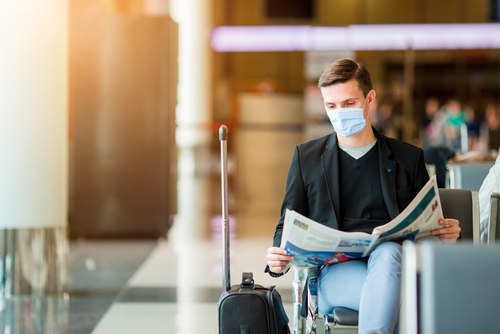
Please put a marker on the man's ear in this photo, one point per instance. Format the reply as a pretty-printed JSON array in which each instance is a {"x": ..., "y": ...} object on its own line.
[{"x": 371, "y": 96}]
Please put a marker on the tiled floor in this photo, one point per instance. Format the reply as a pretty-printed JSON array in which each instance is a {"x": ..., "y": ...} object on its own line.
[{"x": 141, "y": 287}]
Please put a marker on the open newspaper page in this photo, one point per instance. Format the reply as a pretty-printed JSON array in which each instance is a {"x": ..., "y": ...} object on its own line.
[
  {"x": 314, "y": 244},
  {"x": 417, "y": 220}
]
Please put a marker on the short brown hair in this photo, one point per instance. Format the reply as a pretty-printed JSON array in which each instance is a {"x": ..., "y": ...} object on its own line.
[{"x": 344, "y": 70}]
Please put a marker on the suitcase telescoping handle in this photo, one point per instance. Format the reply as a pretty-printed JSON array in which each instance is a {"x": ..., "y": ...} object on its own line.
[{"x": 226, "y": 274}]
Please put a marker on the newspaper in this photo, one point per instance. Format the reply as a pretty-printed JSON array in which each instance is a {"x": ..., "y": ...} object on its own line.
[{"x": 314, "y": 244}]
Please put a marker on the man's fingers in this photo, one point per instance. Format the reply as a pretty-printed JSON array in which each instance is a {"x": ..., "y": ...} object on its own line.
[
  {"x": 449, "y": 235},
  {"x": 277, "y": 250},
  {"x": 450, "y": 232},
  {"x": 278, "y": 254},
  {"x": 447, "y": 230},
  {"x": 277, "y": 257},
  {"x": 449, "y": 222}
]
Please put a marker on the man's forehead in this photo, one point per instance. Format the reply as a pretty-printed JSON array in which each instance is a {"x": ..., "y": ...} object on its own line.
[
  {"x": 342, "y": 91},
  {"x": 351, "y": 84}
]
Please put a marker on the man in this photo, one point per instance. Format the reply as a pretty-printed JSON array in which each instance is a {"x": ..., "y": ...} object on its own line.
[
  {"x": 354, "y": 180},
  {"x": 491, "y": 184}
]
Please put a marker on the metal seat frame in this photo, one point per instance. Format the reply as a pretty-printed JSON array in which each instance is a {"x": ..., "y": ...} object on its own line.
[{"x": 308, "y": 325}]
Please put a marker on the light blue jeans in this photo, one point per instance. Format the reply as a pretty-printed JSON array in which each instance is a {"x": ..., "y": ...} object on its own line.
[{"x": 373, "y": 288}]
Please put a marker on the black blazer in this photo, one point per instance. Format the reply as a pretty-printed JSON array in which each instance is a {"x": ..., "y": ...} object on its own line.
[{"x": 312, "y": 187}]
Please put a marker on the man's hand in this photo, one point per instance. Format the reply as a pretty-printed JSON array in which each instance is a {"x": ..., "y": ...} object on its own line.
[
  {"x": 450, "y": 232},
  {"x": 277, "y": 259}
]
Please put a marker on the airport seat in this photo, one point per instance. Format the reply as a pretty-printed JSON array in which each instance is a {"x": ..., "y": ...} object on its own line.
[
  {"x": 463, "y": 205},
  {"x": 468, "y": 175},
  {"x": 460, "y": 204},
  {"x": 453, "y": 289},
  {"x": 493, "y": 230}
]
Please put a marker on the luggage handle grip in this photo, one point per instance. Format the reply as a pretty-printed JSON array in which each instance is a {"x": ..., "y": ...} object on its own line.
[
  {"x": 247, "y": 281},
  {"x": 223, "y": 132}
]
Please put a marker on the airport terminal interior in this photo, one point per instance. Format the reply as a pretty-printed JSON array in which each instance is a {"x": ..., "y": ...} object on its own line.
[{"x": 110, "y": 180}]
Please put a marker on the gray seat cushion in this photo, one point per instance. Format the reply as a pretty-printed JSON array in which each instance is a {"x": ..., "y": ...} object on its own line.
[{"x": 344, "y": 316}]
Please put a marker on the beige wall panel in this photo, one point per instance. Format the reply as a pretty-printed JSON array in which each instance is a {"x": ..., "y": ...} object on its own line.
[
  {"x": 220, "y": 10},
  {"x": 269, "y": 131},
  {"x": 256, "y": 65},
  {"x": 346, "y": 12},
  {"x": 287, "y": 67},
  {"x": 336, "y": 12},
  {"x": 271, "y": 109},
  {"x": 444, "y": 11},
  {"x": 342, "y": 13},
  {"x": 391, "y": 12},
  {"x": 264, "y": 159},
  {"x": 244, "y": 12},
  {"x": 295, "y": 72},
  {"x": 477, "y": 11}
]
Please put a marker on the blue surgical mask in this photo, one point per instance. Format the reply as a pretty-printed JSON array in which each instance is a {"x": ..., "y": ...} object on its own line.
[{"x": 347, "y": 121}]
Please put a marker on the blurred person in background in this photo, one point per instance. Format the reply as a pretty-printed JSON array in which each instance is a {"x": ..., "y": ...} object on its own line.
[
  {"x": 431, "y": 123},
  {"x": 492, "y": 119},
  {"x": 491, "y": 116},
  {"x": 388, "y": 123},
  {"x": 475, "y": 130},
  {"x": 454, "y": 117}
]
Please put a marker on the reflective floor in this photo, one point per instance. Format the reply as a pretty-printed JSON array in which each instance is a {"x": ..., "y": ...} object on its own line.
[{"x": 141, "y": 287}]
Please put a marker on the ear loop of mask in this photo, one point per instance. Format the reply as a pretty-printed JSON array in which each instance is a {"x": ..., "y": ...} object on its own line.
[{"x": 366, "y": 99}]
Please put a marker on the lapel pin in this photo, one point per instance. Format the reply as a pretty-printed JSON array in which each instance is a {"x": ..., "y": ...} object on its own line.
[{"x": 388, "y": 170}]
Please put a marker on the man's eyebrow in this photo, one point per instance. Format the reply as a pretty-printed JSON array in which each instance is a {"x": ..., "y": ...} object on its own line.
[
  {"x": 349, "y": 99},
  {"x": 346, "y": 100}
]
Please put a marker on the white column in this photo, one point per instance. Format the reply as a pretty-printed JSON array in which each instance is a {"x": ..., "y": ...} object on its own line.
[
  {"x": 192, "y": 138},
  {"x": 193, "y": 113},
  {"x": 33, "y": 137}
]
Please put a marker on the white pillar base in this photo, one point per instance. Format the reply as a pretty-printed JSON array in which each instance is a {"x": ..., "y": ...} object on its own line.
[{"x": 33, "y": 262}]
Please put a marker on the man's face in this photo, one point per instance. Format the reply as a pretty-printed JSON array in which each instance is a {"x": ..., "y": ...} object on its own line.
[{"x": 346, "y": 95}]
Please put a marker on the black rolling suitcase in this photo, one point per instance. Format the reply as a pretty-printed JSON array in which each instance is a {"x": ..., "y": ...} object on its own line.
[{"x": 247, "y": 308}]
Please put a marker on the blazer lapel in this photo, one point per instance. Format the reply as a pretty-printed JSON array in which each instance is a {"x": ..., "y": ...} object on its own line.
[
  {"x": 331, "y": 173},
  {"x": 387, "y": 177}
]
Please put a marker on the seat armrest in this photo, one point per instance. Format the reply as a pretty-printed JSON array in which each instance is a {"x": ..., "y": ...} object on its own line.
[{"x": 476, "y": 233}]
